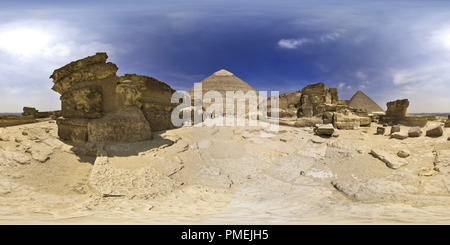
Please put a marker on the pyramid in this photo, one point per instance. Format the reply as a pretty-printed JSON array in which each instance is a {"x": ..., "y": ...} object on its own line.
[
  {"x": 223, "y": 81},
  {"x": 362, "y": 101}
]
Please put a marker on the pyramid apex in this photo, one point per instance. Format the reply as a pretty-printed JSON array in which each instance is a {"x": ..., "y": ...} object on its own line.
[{"x": 223, "y": 72}]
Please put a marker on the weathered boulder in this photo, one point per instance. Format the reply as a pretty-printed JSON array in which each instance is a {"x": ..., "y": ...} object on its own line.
[
  {"x": 30, "y": 111},
  {"x": 404, "y": 153},
  {"x": 395, "y": 129},
  {"x": 365, "y": 121},
  {"x": 325, "y": 130},
  {"x": 390, "y": 160},
  {"x": 415, "y": 132},
  {"x": 381, "y": 130},
  {"x": 435, "y": 132},
  {"x": 346, "y": 121},
  {"x": 399, "y": 136},
  {"x": 397, "y": 109}
]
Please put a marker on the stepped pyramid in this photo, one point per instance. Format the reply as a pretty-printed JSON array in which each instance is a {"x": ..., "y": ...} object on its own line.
[{"x": 362, "y": 101}]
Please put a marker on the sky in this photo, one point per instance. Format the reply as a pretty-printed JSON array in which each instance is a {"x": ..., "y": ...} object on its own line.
[{"x": 388, "y": 49}]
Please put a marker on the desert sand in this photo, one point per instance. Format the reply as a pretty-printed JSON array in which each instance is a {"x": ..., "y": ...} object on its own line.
[{"x": 223, "y": 175}]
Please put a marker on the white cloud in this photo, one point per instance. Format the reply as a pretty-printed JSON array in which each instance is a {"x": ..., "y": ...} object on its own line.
[
  {"x": 426, "y": 87},
  {"x": 30, "y": 50},
  {"x": 292, "y": 43},
  {"x": 441, "y": 38},
  {"x": 296, "y": 43}
]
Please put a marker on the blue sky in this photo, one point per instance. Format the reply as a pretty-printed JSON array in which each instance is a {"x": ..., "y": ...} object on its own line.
[{"x": 388, "y": 49}]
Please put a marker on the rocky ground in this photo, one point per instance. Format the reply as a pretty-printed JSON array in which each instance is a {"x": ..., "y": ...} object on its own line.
[{"x": 225, "y": 175}]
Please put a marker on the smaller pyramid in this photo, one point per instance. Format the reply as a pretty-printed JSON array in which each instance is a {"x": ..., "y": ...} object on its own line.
[{"x": 361, "y": 101}]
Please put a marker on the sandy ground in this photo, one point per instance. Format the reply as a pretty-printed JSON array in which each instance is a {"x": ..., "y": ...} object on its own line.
[{"x": 221, "y": 175}]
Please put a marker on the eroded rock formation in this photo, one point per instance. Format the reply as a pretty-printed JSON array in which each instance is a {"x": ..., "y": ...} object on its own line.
[{"x": 99, "y": 106}]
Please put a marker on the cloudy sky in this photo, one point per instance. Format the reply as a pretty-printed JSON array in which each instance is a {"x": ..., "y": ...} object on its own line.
[{"x": 387, "y": 49}]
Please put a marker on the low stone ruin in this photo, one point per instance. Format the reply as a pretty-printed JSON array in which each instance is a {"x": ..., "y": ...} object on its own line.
[
  {"x": 315, "y": 104},
  {"x": 397, "y": 114},
  {"x": 11, "y": 120},
  {"x": 31, "y": 111},
  {"x": 100, "y": 107}
]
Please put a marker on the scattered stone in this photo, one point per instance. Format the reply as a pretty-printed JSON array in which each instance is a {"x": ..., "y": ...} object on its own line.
[
  {"x": 395, "y": 129},
  {"x": 24, "y": 133},
  {"x": 381, "y": 130},
  {"x": 404, "y": 153},
  {"x": 399, "y": 136},
  {"x": 325, "y": 130},
  {"x": 390, "y": 160},
  {"x": 435, "y": 132},
  {"x": 415, "y": 132}
]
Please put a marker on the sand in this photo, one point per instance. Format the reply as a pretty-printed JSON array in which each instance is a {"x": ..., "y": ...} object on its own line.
[{"x": 221, "y": 175}]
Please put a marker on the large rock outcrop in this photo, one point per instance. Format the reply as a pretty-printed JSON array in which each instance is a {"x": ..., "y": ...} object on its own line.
[{"x": 98, "y": 106}]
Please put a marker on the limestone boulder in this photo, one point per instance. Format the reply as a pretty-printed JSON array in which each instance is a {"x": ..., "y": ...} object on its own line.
[
  {"x": 343, "y": 121},
  {"x": 381, "y": 130},
  {"x": 404, "y": 153},
  {"x": 395, "y": 129},
  {"x": 399, "y": 136},
  {"x": 397, "y": 109},
  {"x": 435, "y": 132},
  {"x": 325, "y": 130},
  {"x": 365, "y": 121},
  {"x": 415, "y": 132}
]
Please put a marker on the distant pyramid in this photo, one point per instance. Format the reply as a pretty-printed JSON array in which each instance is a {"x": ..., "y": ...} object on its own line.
[{"x": 362, "y": 101}]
